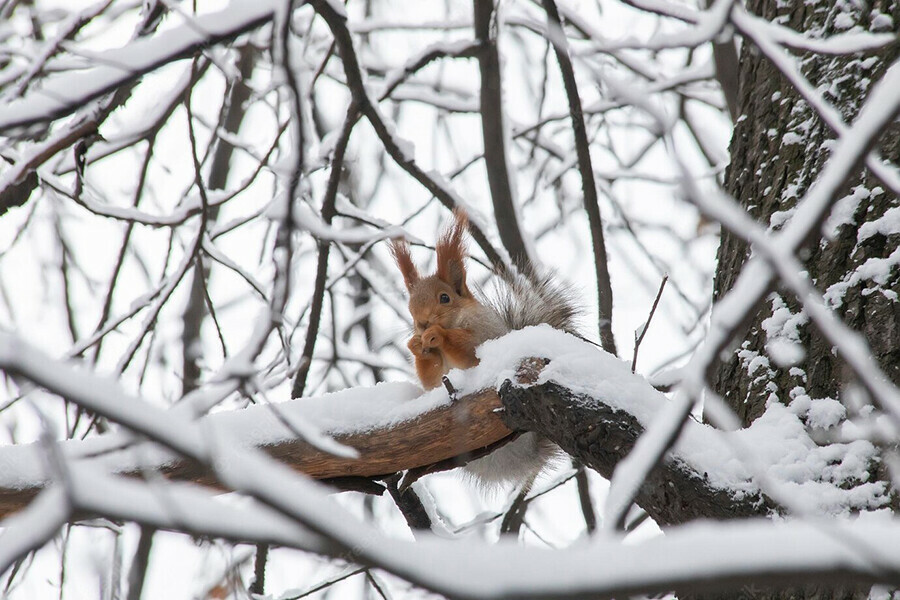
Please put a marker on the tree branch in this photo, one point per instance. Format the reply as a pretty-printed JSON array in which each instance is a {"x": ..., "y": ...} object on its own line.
[
  {"x": 440, "y": 434},
  {"x": 494, "y": 136},
  {"x": 557, "y": 37},
  {"x": 324, "y": 248},
  {"x": 601, "y": 436},
  {"x": 439, "y": 188},
  {"x": 410, "y": 505},
  {"x": 62, "y": 95},
  {"x": 586, "y": 427}
]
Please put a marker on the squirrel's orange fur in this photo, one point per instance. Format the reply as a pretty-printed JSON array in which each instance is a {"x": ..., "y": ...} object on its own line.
[{"x": 449, "y": 322}]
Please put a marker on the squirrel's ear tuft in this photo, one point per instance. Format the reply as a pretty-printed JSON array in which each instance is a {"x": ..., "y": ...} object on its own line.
[
  {"x": 400, "y": 251},
  {"x": 451, "y": 253}
]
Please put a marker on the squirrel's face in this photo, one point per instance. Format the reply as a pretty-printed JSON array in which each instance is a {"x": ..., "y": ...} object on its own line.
[
  {"x": 441, "y": 298},
  {"x": 435, "y": 302}
]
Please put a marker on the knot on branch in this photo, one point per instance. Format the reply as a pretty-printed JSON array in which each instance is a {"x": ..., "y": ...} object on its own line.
[{"x": 530, "y": 369}]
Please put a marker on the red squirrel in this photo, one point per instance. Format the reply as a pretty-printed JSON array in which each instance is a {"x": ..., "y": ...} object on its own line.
[{"x": 450, "y": 320}]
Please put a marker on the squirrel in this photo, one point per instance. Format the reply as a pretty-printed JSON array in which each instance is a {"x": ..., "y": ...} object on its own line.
[{"x": 451, "y": 319}]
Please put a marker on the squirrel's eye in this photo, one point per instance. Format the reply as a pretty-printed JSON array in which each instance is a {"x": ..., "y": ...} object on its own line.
[{"x": 445, "y": 299}]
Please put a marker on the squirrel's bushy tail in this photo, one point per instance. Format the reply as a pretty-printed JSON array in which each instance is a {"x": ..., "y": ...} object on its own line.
[{"x": 522, "y": 302}]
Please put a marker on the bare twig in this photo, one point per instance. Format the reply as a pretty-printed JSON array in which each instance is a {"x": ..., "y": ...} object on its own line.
[
  {"x": 377, "y": 585},
  {"x": 324, "y": 247},
  {"x": 346, "y": 574},
  {"x": 409, "y": 503},
  {"x": 584, "y": 496},
  {"x": 451, "y": 390},
  {"x": 259, "y": 569},
  {"x": 138, "y": 571},
  {"x": 640, "y": 338},
  {"x": 515, "y": 516}
]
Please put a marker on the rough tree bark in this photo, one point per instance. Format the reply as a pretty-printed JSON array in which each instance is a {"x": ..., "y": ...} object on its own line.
[
  {"x": 779, "y": 146},
  {"x": 600, "y": 437},
  {"x": 778, "y": 149}
]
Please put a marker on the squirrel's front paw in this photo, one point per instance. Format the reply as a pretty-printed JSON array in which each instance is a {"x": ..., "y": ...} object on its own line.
[
  {"x": 415, "y": 345},
  {"x": 433, "y": 337}
]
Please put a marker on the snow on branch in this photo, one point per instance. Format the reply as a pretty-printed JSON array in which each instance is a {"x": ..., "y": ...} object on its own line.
[
  {"x": 393, "y": 427},
  {"x": 610, "y": 406},
  {"x": 63, "y": 94},
  {"x": 756, "y": 278},
  {"x": 585, "y": 400}
]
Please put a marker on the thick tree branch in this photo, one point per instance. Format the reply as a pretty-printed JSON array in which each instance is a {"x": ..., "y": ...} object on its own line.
[
  {"x": 586, "y": 427},
  {"x": 734, "y": 311},
  {"x": 495, "y": 160},
  {"x": 434, "y": 436},
  {"x": 601, "y": 436},
  {"x": 594, "y": 430}
]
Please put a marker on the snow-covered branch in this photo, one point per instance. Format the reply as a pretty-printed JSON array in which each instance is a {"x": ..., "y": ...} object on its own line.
[
  {"x": 598, "y": 416},
  {"x": 63, "y": 94},
  {"x": 584, "y": 400}
]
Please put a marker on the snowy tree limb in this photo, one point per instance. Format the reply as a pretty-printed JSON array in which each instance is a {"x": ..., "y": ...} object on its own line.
[
  {"x": 62, "y": 95},
  {"x": 587, "y": 427},
  {"x": 736, "y": 308},
  {"x": 601, "y": 436},
  {"x": 447, "y": 431},
  {"x": 594, "y": 428}
]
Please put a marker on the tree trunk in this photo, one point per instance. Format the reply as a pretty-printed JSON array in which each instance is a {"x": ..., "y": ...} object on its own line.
[
  {"x": 769, "y": 173},
  {"x": 778, "y": 149}
]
